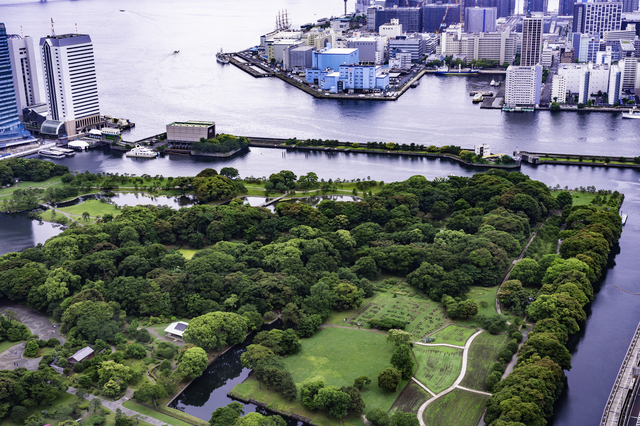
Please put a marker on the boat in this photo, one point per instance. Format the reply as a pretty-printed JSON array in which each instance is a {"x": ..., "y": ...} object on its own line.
[
  {"x": 175, "y": 52},
  {"x": 494, "y": 83},
  {"x": 121, "y": 10},
  {"x": 472, "y": 93},
  {"x": 141, "y": 152},
  {"x": 415, "y": 84},
  {"x": 67, "y": 152},
  {"x": 624, "y": 218},
  {"x": 632, "y": 113},
  {"x": 50, "y": 153},
  {"x": 222, "y": 57},
  {"x": 445, "y": 70},
  {"x": 477, "y": 98}
]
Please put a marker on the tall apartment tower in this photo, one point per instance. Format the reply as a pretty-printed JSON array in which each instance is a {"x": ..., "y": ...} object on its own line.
[
  {"x": 70, "y": 80},
  {"x": 596, "y": 17},
  {"x": 12, "y": 131},
  {"x": 25, "y": 72},
  {"x": 531, "y": 40}
]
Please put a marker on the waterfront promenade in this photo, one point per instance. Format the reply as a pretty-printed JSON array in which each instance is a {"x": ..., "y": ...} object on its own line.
[{"x": 623, "y": 402}]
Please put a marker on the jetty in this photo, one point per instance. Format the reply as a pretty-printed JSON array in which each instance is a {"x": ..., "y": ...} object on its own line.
[{"x": 623, "y": 404}]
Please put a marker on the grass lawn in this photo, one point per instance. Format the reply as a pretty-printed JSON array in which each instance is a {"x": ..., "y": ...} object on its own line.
[
  {"x": 480, "y": 295},
  {"x": 410, "y": 399},
  {"x": 453, "y": 334},
  {"x": 337, "y": 318},
  {"x": 8, "y": 345},
  {"x": 403, "y": 302},
  {"x": 457, "y": 408},
  {"x": 483, "y": 353},
  {"x": 27, "y": 184},
  {"x": 93, "y": 207},
  {"x": 154, "y": 414},
  {"x": 62, "y": 400},
  {"x": 49, "y": 216},
  {"x": 338, "y": 356},
  {"x": 438, "y": 367}
]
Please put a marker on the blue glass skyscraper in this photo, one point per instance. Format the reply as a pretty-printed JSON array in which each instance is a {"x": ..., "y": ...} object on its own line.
[{"x": 12, "y": 131}]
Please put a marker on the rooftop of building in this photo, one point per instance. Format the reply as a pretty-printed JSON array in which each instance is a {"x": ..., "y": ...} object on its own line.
[
  {"x": 303, "y": 48},
  {"x": 66, "y": 39},
  {"x": 338, "y": 51},
  {"x": 192, "y": 123}
]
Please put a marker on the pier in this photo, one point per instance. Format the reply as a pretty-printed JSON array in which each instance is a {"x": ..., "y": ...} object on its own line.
[{"x": 623, "y": 405}]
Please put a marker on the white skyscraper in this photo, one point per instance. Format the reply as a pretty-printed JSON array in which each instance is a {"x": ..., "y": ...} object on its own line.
[
  {"x": 70, "y": 80},
  {"x": 22, "y": 54}
]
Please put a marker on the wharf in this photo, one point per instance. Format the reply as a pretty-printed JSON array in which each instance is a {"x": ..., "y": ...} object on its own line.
[
  {"x": 494, "y": 102},
  {"x": 26, "y": 152},
  {"x": 256, "y": 68},
  {"x": 623, "y": 404},
  {"x": 250, "y": 66},
  {"x": 578, "y": 160}
]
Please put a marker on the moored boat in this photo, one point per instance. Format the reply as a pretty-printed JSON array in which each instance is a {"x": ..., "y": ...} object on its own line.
[
  {"x": 632, "y": 113},
  {"x": 222, "y": 57},
  {"x": 50, "y": 153},
  {"x": 141, "y": 152}
]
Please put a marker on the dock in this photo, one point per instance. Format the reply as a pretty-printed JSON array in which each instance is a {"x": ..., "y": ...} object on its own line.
[
  {"x": 251, "y": 66},
  {"x": 623, "y": 404}
]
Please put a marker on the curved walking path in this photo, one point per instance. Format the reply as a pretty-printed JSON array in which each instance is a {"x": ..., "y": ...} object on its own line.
[{"x": 456, "y": 384}]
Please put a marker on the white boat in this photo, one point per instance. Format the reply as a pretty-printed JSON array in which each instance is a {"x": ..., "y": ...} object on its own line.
[
  {"x": 141, "y": 152},
  {"x": 50, "y": 153},
  {"x": 479, "y": 97},
  {"x": 65, "y": 151},
  {"x": 633, "y": 113},
  {"x": 624, "y": 218},
  {"x": 222, "y": 57},
  {"x": 493, "y": 83}
]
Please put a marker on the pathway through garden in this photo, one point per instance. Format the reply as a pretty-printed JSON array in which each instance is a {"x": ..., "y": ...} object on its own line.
[{"x": 456, "y": 384}]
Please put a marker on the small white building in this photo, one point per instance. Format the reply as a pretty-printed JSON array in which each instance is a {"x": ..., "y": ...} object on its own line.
[
  {"x": 391, "y": 30},
  {"x": 482, "y": 150},
  {"x": 559, "y": 89},
  {"x": 177, "y": 329}
]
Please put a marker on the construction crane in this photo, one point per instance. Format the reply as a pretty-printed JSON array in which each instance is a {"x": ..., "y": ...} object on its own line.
[{"x": 444, "y": 17}]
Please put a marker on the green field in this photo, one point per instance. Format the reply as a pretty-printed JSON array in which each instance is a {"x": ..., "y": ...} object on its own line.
[
  {"x": 93, "y": 207},
  {"x": 483, "y": 353},
  {"x": 337, "y": 356},
  {"x": 453, "y": 335},
  {"x": 423, "y": 315},
  {"x": 438, "y": 367},
  {"x": 457, "y": 408},
  {"x": 410, "y": 399}
]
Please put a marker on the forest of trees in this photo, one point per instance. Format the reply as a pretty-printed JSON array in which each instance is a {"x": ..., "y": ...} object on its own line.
[
  {"x": 308, "y": 262},
  {"x": 221, "y": 143}
]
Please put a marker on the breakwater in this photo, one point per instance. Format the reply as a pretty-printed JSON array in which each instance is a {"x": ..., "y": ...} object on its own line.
[{"x": 347, "y": 147}]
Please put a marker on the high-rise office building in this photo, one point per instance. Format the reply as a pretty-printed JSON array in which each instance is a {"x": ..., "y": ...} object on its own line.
[
  {"x": 480, "y": 20},
  {"x": 25, "y": 72},
  {"x": 531, "y": 40},
  {"x": 12, "y": 131},
  {"x": 409, "y": 17},
  {"x": 565, "y": 7},
  {"x": 70, "y": 80},
  {"x": 536, "y": 6},
  {"x": 596, "y": 17},
  {"x": 504, "y": 8}
]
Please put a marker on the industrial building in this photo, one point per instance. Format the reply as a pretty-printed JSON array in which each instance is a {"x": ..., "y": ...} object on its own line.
[
  {"x": 181, "y": 134},
  {"x": 353, "y": 77}
]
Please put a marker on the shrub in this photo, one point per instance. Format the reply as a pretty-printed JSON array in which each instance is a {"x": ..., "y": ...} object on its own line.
[
  {"x": 498, "y": 367},
  {"x": 31, "y": 349},
  {"x": 493, "y": 379},
  {"x": 143, "y": 335},
  {"x": 378, "y": 417}
]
